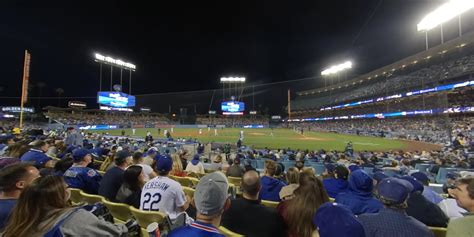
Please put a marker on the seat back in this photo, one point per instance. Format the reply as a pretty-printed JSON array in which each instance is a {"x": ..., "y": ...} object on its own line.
[
  {"x": 228, "y": 233},
  {"x": 189, "y": 191},
  {"x": 119, "y": 211},
  {"x": 101, "y": 172},
  {"x": 270, "y": 204},
  {"x": 144, "y": 218},
  {"x": 184, "y": 181},
  {"x": 91, "y": 198},
  {"x": 438, "y": 231},
  {"x": 442, "y": 172},
  {"x": 194, "y": 181},
  {"x": 422, "y": 167},
  {"x": 237, "y": 181},
  {"x": 75, "y": 195}
]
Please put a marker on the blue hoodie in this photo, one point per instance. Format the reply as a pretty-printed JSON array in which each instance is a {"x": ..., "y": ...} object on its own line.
[
  {"x": 270, "y": 189},
  {"x": 335, "y": 186},
  {"x": 359, "y": 196}
]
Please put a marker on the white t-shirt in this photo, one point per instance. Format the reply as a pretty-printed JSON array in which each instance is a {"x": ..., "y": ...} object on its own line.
[
  {"x": 147, "y": 170},
  {"x": 162, "y": 194},
  {"x": 198, "y": 168}
]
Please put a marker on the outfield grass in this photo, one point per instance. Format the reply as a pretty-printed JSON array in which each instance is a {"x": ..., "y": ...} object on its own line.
[{"x": 282, "y": 138}]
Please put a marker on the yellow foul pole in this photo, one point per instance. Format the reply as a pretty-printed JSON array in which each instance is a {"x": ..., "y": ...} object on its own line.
[{"x": 24, "y": 87}]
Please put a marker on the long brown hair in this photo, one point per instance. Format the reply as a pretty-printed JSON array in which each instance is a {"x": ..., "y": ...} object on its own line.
[
  {"x": 42, "y": 200},
  {"x": 301, "y": 209}
]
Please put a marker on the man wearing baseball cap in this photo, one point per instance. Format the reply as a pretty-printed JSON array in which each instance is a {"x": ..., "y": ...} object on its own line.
[
  {"x": 79, "y": 175},
  {"x": 162, "y": 193},
  {"x": 392, "y": 220},
  {"x": 211, "y": 199}
]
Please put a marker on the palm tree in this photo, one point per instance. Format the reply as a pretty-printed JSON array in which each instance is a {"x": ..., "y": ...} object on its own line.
[
  {"x": 40, "y": 86},
  {"x": 59, "y": 91}
]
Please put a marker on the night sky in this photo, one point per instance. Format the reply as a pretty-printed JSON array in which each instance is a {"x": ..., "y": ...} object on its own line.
[{"x": 184, "y": 46}]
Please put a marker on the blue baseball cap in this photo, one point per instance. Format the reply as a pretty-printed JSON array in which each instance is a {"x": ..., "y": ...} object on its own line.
[
  {"x": 5, "y": 137},
  {"x": 379, "y": 176},
  {"x": 195, "y": 159},
  {"x": 164, "y": 163},
  {"x": 334, "y": 219},
  {"x": 353, "y": 168},
  {"x": 420, "y": 176},
  {"x": 394, "y": 190},
  {"x": 79, "y": 154},
  {"x": 417, "y": 185}
]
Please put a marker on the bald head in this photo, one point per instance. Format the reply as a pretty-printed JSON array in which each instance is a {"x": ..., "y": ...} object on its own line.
[{"x": 251, "y": 183}]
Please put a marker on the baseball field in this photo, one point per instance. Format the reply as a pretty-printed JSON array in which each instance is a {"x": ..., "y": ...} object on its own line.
[{"x": 283, "y": 138}]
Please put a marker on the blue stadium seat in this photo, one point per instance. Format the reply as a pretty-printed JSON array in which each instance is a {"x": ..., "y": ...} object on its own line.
[
  {"x": 288, "y": 164},
  {"x": 442, "y": 172},
  {"x": 369, "y": 170},
  {"x": 319, "y": 168},
  {"x": 260, "y": 164},
  {"x": 422, "y": 167},
  {"x": 390, "y": 173}
]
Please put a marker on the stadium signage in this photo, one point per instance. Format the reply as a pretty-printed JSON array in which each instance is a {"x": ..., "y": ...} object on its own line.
[
  {"x": 115, "y": 99},
  {"x": 77, "y": 104},
  {"x": 116, "y": 62},
  {"x": 212, "y": 112},
  {"x": 411, "y": 93},
  {"x": 276, "y": 117},
  {"x": 233, "y": 113},
  {"x": 115, "y": 109},
  {"x": 98, "y": 127},
  {"x": 145, "y": 109},
  {"x": 391, "y": 114},
  {"x": 17, "y": 109},
  {"x": 253, "y": 112}
]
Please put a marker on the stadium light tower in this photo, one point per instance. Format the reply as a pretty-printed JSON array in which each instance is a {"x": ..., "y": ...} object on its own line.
[
  {"x": 101, "y": 59},
  {"x": 233, "y": 83},
  {"x": 442, "y": 14}
]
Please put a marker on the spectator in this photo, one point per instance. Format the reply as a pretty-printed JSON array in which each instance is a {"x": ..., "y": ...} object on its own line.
[
  {"x": 216, "y": 163},
  {"x": 113, "y": 178},
  {"x": 429, "y": 194},
  {"x": 131, "y": 189},
  {"x": 80, "y": 176},
  {"x": 292, "y": 178},
  {"x": 37, "y": 156},
  {"x": 359, "y": 197},
  {"x": 13, "y": 180},
  {"x": 42, "y": 210},
  {"x": 270, "y": 186},
  {"x": 74, "y": 138},
  {"x": 211, "y": 199},
  {"x": 148, "y": 172},
  {"x": 237, "y": 218},
  {"x": 195, "y": 166},
  {"x": 13, "y": 154},
  {"x": 392, "y": 220},
  {"x": 299, "y": 211},
  {"x": 177, "y": 169},
  {"x": 338, "y": 184},
  {"x": 422, "y": 209},
  {"x": 235, "y": 170},
  {"x": 464, "y": 194},
  {"x": 162, "y": 193},
  {"x": 329, "y": 170},
  {"x": 150, "y": 156},
  {"x": 333, "y": 219}
]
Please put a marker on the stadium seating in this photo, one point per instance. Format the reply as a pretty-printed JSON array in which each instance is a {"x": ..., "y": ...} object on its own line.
[
  {"x": 76, "y": 197},
  {"x": 119, "y": 211},
  {"x": 442, "y": 172},
  {"x": 228, "y": 233},
  {"x": 235, "y": 181},
  {"x": 189, "y": 191},
  {"x": 91, "y": 198},
  {"x": 438, "y": 231},
  {"x": 270, "y": 204},
  {"x": 144, "y": 218}
]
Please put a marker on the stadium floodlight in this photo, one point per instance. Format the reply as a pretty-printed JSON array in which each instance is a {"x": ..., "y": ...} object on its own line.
[
  {"x": 444, "y": 13},
  {"x": 115, "y": 62},
  {"x": 232, "y": 79},
  {"x": 337, "y": 68}
]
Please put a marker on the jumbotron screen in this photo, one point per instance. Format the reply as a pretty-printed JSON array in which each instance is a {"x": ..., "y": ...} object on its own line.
[
  {"x": 232, "y": 108},
  {"x": 115, "y": 99}
]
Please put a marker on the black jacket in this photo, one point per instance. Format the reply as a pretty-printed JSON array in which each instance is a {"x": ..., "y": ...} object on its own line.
[
  {"x": 425, "y": 211},
  {"x": 252, "y": 219}
]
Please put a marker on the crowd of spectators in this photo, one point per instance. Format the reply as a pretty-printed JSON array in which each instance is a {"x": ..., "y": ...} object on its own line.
[
  {"x": 435, "y": 129},
  {"x": 393, "y": 199},
  {"x": 125, "y": 119},
  {"x": 392, "y": 82}
]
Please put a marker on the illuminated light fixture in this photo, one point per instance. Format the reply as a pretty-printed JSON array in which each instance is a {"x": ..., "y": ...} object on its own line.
[
  {"x": 415, "y": 62},
  {"x": 336, "y": 68},
  {"x": 369, "y": 78},
  {"x": 114, "y": 62},
  {"x": 444, "y": 13},
  {"x": 232, "y": 79},
  {"x": 393, "y": 69},
  {"x": 404, "y": 65},
  {"x": 428, "y": 57}
]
